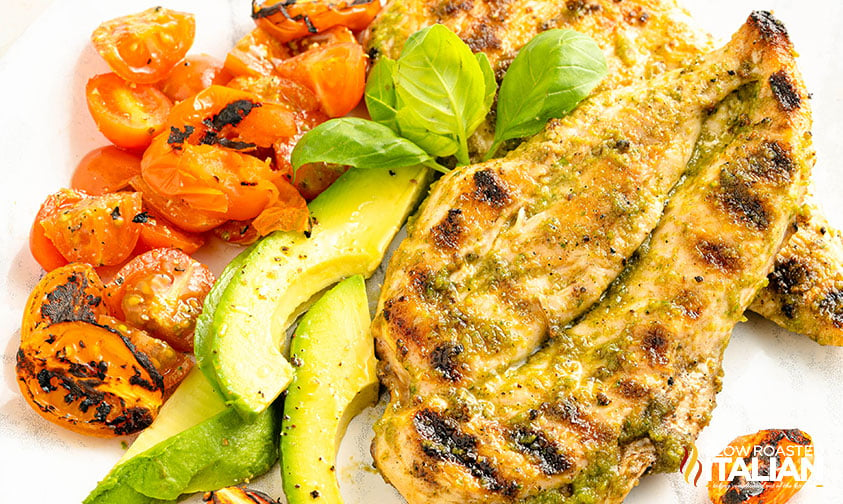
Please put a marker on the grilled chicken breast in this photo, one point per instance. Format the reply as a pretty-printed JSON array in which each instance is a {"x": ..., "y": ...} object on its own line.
[
  {"x": 805, "y": 290},
  {"x": 507, "y": 253},
  {"x": 640, "y": 39},
  {"x": 634, "y": 380}
]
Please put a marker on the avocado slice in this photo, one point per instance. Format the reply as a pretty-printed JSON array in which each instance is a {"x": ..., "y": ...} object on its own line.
[
  {"x": 196, "y": 443},
  {"x": 334, "y": 380},
  {"x": 354, "y": 221}
]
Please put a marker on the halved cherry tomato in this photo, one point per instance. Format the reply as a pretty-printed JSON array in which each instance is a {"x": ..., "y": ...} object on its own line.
[
  {"x": 45, "y": 253},
  {"x": 231, "y": 118},
  {"x": 104, "y": 170},
  {"x": 161, "y": 291},
  {"x": 175, "y": 209},
  {"x": 257, "y": 53},
  {"x": 43, "y": 250},
  {"x": 335, "y": 73},
  {"x": 76, "y": 373},
  {"x": 237, "y": 232},
  {"x": 89, "y": 379},
  {"x": 97, "y": 230},
  {"x": 193, "y": 74},
  {"x": 287, "y": 213},
  {"x": 297, "y": 97},
  {"x": 173, "y": 365},
  {"x": 772, "y": 450},
  {"x": 157, "y": 232},
  {"x": 331, "y": 36},
  {"x": 221, "y": 182},
  {"x": 291, "y": 20},
  {"x": 72, "y": 293},
  {"x": 311, "y": 179},
  {"x": 129, "y": 115},
  {"x": 143, "y": 47}
]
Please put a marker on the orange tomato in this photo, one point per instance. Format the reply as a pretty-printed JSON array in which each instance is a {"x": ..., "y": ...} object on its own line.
[
  {"x": 311, "y": 179},
  {"x": 72, "y": 293},
  {"x": 43, "y": 250},
  {"x": 89, "y": 379},
  {"x": 104, "y": 170},
  {"x": 78, "y": 374},
  {"x": 157, "y": 232},
  {"x": 97, "y": 230},
  {"x": 287, "y": 213},
  {"x": 256, "y": 54},
  {"x": 192, "y": 75},
  {"x": 175, "y": 209},
  {"x": 171, "y": 364},
  {"x": 237, "y": 232},
  {"x": 204, "y": 161},
  {"x": 335, "y": 35},
  {"x": 129, "y": 115},
  {"x": 143, "y": 47},
  {"x": 336, "y": 73},
  {"x": 292, "y": 20},
  {"x": 161, "y": 291},
  {"x": 221, "y": 182},
  {"x": 228, "y": 117},
  {"x": 772, "y": 449}
]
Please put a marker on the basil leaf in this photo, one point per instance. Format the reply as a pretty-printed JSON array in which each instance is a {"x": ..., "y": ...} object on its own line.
[
  {"x": 489, "y": 78},
  {"x": 380, "y": 93},
  {"x": 548, "y": 78},
  {"x": 359, "y": 143},
  {"x": 441, "y": 92}
]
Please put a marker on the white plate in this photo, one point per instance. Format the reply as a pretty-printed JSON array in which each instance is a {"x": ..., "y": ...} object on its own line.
[{"x": 773, "y": 379}]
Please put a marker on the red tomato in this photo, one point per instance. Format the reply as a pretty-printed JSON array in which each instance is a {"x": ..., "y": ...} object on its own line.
[
  {"x": 161, "y": 291},
  {"x": 193, "y": 74},
  {"x": 157, "y": 232},
  {"x": 175, "y": 209},
  {"x": 257, "y": 53},
  {"x": 129, "y": 115},
  {"x": 104, "y": 170},
  {"x": 143, "y": 47},
  {"x": 336, "y": 73},
  {"x": 292, "y": 20},
  {"x": 97, "y": 230}
]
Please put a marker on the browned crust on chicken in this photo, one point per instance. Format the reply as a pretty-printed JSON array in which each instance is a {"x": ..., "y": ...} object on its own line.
[
  {"x": 640, "y": 38},
  {"x": 634, "y": 381}
]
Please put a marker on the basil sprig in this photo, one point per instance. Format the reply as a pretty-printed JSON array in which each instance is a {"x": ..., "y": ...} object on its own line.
[
  {"x": 349, "y": 141},
  {"x": 550, "y": 75},
  {"x": 428, "y": 102}
]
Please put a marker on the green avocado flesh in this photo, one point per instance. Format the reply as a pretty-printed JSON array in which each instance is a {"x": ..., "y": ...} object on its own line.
[
  {"x": 334, "y": 380},
  {"x": 354, "y": 221},
  {"x": 195, "y": 444}
]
